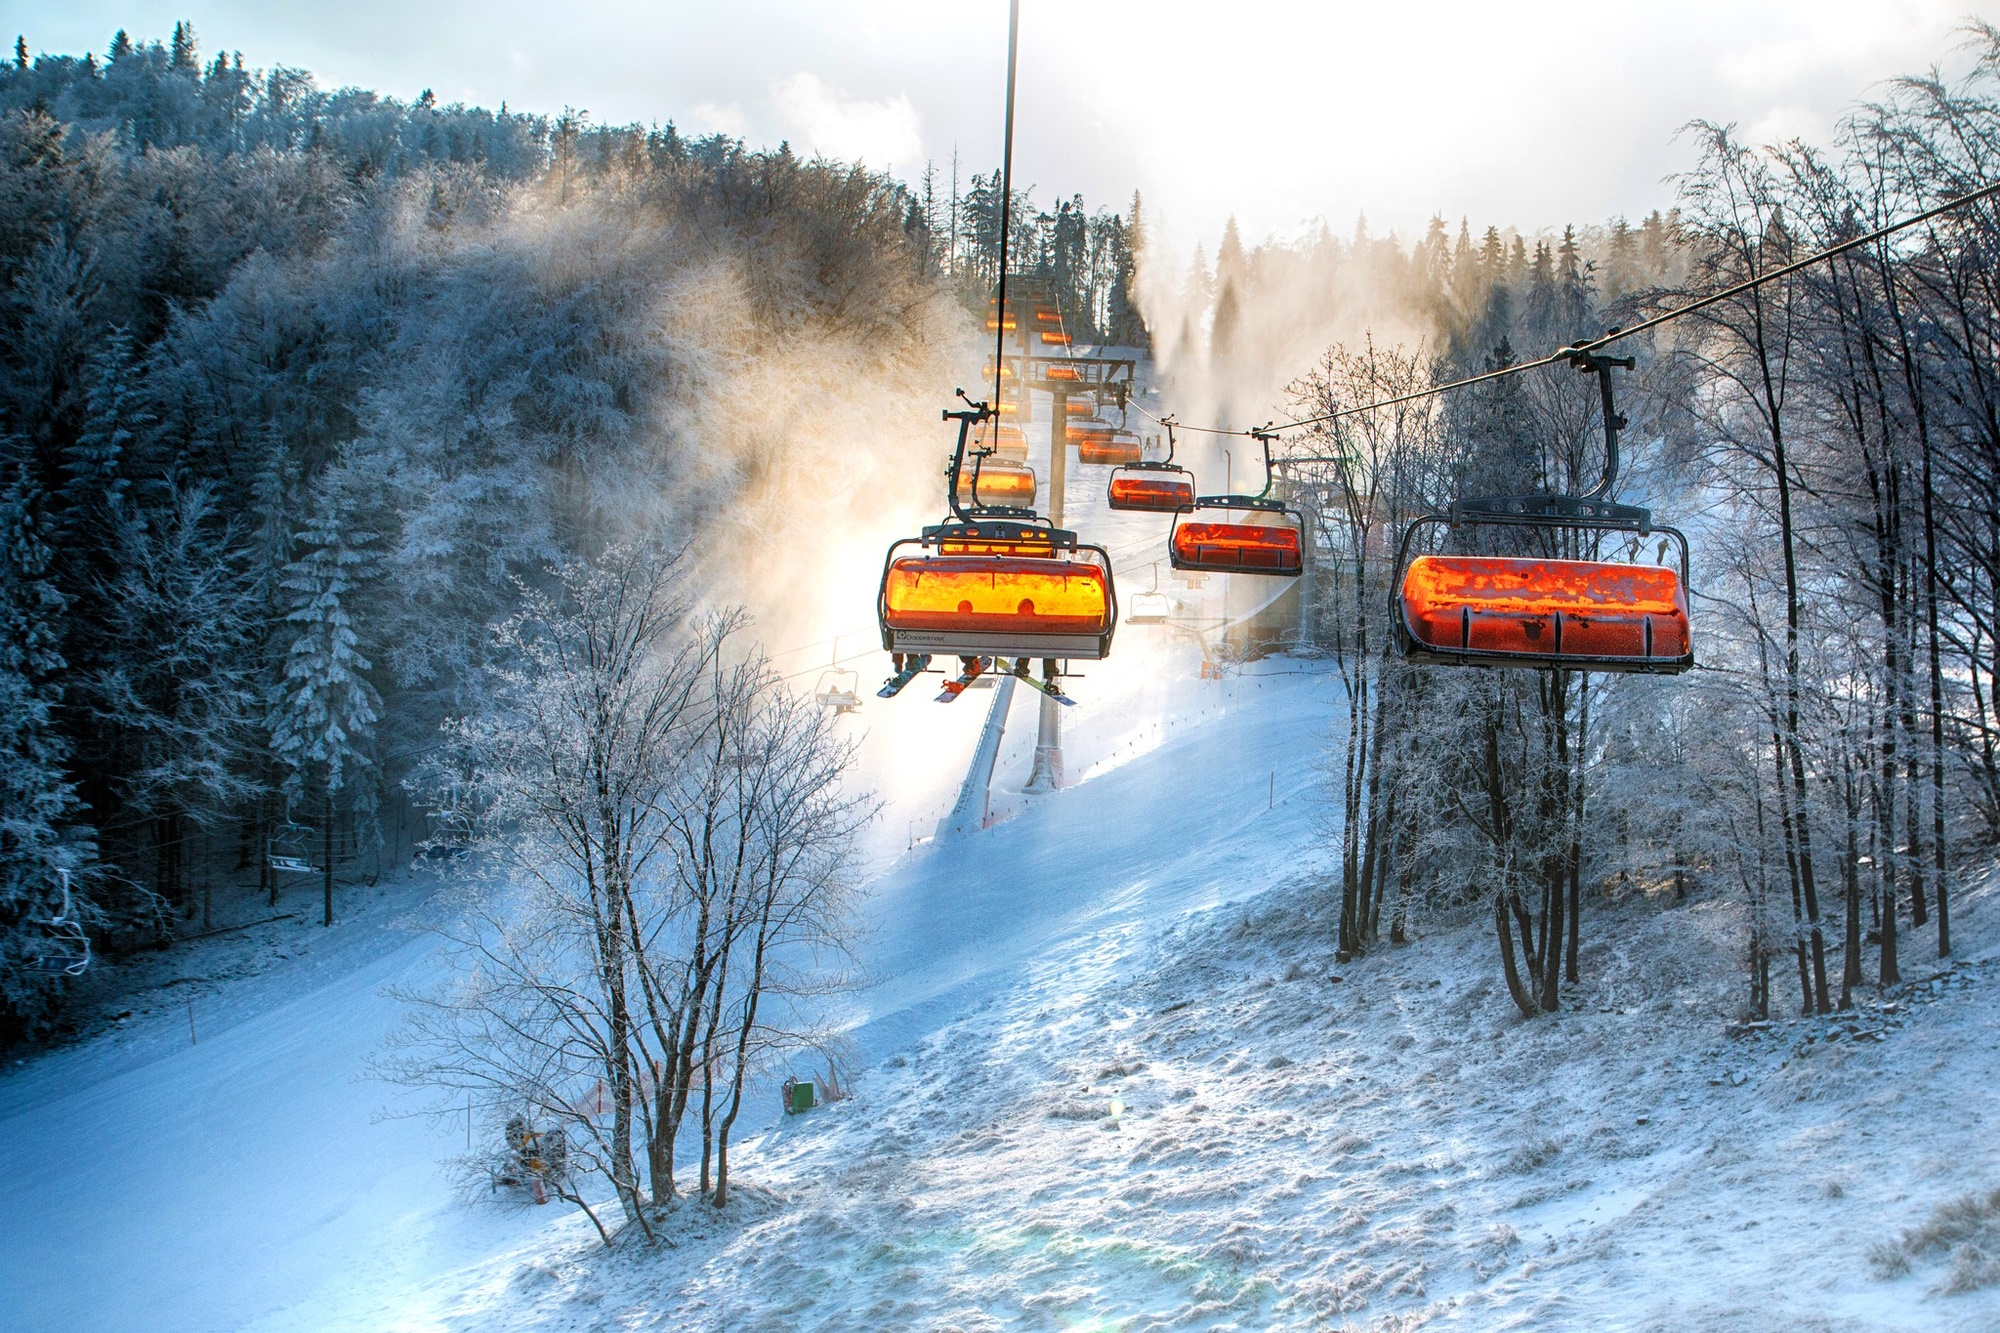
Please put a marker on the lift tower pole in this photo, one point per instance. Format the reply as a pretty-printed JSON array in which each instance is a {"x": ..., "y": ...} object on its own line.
[{"x": 1047, "y": 774}]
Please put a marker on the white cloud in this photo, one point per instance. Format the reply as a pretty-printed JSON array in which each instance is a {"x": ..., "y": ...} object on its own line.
[
  {"x": 713, "y": 118},
  {"x": 817, "y": 119},
  {"x": 1782, "y": 124}
]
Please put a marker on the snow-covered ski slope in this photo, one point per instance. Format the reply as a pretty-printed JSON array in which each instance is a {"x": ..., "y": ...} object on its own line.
[
  {"x": 1107, "y": 1075},
  {"x": 258, "y": 1177},
  {"x": 1107, "y": 1078}
]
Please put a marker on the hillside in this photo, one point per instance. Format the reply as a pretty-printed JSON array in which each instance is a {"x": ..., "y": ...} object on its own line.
[{"x": 1094, "y": 1086}]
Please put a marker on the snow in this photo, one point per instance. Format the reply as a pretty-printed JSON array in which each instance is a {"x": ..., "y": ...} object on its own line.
[{"x": 1107, "y": 1074}]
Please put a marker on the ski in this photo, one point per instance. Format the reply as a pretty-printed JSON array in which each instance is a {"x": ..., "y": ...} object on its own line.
[
  {"x": 910, "y": 668},
  {"x": 972, "y": 669},
  {"x": 1048, "y": 687}
]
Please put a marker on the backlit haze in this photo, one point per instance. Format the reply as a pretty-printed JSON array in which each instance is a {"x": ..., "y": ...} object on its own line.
[{"x": 1279, "y": 113}]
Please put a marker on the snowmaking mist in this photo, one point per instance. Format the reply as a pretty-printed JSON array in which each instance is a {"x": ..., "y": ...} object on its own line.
[
  {"x": 1230, "y": 337},
  {"x": 1233, "y": 338}
]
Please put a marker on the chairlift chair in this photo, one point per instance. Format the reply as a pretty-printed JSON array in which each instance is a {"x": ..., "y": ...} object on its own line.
[
  {"x": 1116, "y": 448},
  {"x": 1151, "y": 607},
  {"x": 1546, "y": 613},
  {"x": 839, "y": 690},
  {"x": 1161, "y": 487},
  {"x": 289, "y": 849},
  {"x": 65, "y": 945},
  {"x": 1004, "y": 441},
  {"x": 1265, "y": 540},
  {"x": 991, "y": 482},
  {"x": 1090, "y": 430},
  {"x": 993, "y": 582}
]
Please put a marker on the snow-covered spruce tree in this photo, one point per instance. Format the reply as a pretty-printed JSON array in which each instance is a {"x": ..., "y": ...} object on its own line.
[
  {"x": 175, "y": 694},
  {"x": 323, "y": 708},
  {"x": 39, "y": 832}
]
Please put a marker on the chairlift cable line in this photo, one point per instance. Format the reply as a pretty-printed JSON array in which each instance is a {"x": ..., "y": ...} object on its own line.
[
  {"x": 1006, "y": 197},
  {"x": 1589, "y": 345}
]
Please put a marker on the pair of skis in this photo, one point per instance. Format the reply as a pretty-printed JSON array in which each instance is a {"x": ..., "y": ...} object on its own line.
[{"x": 970, "y": 669}]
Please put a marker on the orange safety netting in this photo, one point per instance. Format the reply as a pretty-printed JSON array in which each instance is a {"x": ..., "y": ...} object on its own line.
[
  {"x": 997, "y": 594},
  {"x": 999, "y": 483},
  {"x": 1252, "y": 547},
  {"x": 1545, "y": 608},
  {"x": 1117, "y": 447},
  {"x": 1158, "y": 494}
]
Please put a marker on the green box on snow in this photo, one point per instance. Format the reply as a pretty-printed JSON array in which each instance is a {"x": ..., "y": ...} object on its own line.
[{"x": 804, "y": 1098}]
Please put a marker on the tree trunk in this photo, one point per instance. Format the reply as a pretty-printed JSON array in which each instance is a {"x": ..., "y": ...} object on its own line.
[
  {"x": 1524, "y": 999},
  {"x": 326, "y": 854},
  {"x": 1850, "y": 972}
]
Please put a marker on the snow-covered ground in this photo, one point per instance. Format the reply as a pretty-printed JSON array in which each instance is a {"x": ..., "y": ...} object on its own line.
[
  {"x": 1107, "y": 1075},
  {"x": 1109, "y": 1080},
  {"x": 1188, "y": 1115}
]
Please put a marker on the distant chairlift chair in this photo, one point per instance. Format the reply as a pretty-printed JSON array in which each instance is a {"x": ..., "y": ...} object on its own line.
[{"x": 289, "y": 849}]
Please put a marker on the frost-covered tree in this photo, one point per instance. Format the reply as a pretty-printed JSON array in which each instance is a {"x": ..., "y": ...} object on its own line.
[
  {"x": 323, "y": 709},
  {"x": 176, "y": 697},
  {"x": 667, "y": 830},
  {"x": 38, "y": 805}
]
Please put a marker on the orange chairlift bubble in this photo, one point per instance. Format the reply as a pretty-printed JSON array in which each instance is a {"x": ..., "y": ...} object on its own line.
[
  {"x": 1524, "y": 611},
  {"x": 1251, "y": 534},
  {"x": 1004, "y": 440},
  {"x": 994, "y": 582},
  {"x": 1077, "y": 432},
  {"x": 1053, "y": 338},
  {"x": 1061, "y": 371},
  {"x": 997, "y": 585},
  {"x": 1593, "y": 614},
  {"x": 1119, "y": 446},
  {"x": 1162, "y": 487},
  {"x": 991, "y": 481}
]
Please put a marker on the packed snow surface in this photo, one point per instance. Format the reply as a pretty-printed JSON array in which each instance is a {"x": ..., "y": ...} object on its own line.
[{"x": 1107, "y": 1074}]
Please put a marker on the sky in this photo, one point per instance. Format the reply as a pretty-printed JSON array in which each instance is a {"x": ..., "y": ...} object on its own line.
[{"x": 1278, "y": 114}]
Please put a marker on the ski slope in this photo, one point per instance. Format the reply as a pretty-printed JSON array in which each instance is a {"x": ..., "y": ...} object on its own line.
[
  {"x": 1107, "y": 1074},
  {"x": 258, "y": 1177}
]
